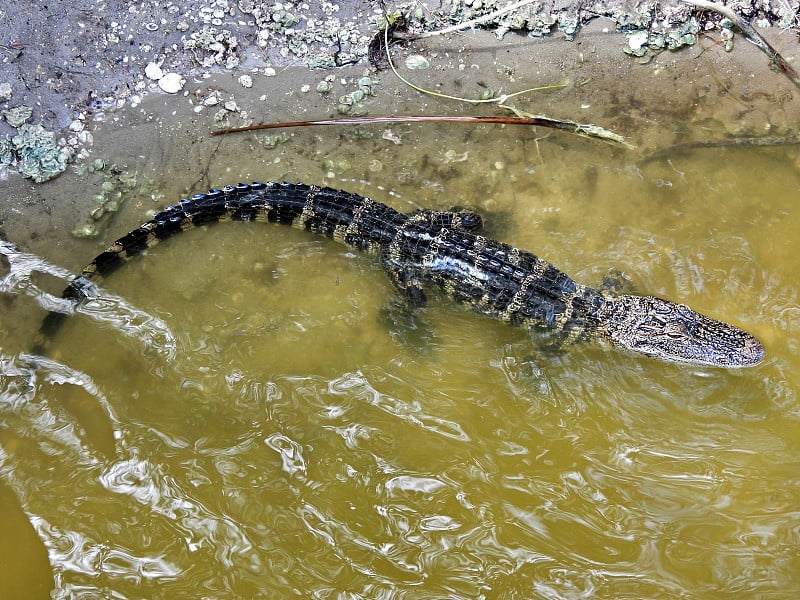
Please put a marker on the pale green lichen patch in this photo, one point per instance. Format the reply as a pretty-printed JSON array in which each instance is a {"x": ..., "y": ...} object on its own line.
[
  {"x": 270, "y": 142},
  {"x": 6, "y": 151},
  {"x": 417, "y": 62},
  {"x": 641, "y": 42},
  {"x": 669, "y": 26},
  {"x": 34, "y": 152},
  {"x": 314, "y": 35},
  {"x": 6, "y": 91},
  {"x": 321, "y": 59},
  {"x": 18, "y": 115},
  {"x": 212, "y": 47},
  {"x": 275, "y": 18},
  {"x": 325, "y": 86}
]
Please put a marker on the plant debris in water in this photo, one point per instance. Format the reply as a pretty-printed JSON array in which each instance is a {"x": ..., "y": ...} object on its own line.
[{"x": 117, "y": 185}]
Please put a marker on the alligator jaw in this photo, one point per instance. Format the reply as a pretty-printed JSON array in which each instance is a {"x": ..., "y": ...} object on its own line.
[{"x": 674, "y": 332}]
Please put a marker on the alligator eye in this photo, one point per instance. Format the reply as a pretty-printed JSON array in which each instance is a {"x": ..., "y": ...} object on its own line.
[
  {"x": 675, "y": 330},
  {"x": 654, "y": 323}
]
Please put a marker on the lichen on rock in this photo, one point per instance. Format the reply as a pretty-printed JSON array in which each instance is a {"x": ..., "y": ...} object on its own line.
[
  {"x": 6, "y": 151},
  {"x": 35, "y": 152},
  {"x": 18, "y": 115},
  {"x": 222, "y": 46}
]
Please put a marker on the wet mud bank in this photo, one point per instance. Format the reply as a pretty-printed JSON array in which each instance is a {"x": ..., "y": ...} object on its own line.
[{"x": 65, "y": 66}]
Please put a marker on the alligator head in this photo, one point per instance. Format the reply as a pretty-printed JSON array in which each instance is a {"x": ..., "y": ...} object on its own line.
[{"x": 674, "y": 332}]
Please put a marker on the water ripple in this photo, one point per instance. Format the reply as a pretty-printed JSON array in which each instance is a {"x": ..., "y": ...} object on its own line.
[
  {"x": 103, "y": 307},
  {"x": 410, "y": 412},
  {"x": 301, "y": 452},
  {"x": 291, "y": 454}
]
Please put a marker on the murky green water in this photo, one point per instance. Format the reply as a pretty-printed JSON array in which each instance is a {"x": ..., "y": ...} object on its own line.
[{"x": 264, "y": 430}]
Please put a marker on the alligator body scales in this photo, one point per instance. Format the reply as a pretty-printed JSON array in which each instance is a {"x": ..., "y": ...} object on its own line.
[{"x": 444, "y": 249}]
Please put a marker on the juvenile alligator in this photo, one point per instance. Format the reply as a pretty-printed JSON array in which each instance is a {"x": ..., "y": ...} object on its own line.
[{"x": 442, "y": 248}]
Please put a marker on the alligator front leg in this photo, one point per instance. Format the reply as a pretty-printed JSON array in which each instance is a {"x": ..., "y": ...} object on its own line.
[
  {"x": 617, "y": 283},
  {"x": 407, "y": 280},
  {"x": 401, "y": 315}
]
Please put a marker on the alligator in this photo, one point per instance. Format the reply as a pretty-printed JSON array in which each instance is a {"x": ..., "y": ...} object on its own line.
[{"x": 443, "y": 249}]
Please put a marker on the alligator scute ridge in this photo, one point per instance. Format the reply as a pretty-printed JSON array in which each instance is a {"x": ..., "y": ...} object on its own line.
[{"x": 443, "y": 249}]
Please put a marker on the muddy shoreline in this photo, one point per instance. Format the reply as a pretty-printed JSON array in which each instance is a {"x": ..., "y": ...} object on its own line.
[{"x": 72, "y": 65}]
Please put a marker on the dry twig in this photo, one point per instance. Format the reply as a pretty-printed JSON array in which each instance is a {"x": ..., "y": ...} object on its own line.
[{"x": 581, "y": 129}]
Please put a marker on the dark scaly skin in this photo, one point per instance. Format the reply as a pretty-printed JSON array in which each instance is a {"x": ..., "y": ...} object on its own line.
[{"x": 426, "y": 248}]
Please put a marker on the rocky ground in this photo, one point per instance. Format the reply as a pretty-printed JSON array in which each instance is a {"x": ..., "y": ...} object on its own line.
[{"x": 65, "y": 64}]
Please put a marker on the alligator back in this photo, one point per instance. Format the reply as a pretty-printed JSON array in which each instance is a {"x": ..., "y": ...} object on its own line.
[{"x": 492, "y": 278}]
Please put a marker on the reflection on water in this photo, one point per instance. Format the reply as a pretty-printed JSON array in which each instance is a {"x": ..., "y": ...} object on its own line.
[
  {"x": 260, "y": 429},
  {"x": 99, "y": 305}
]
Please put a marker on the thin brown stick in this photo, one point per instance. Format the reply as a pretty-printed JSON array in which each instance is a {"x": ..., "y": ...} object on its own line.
[{"x": 582, "y": 129}]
